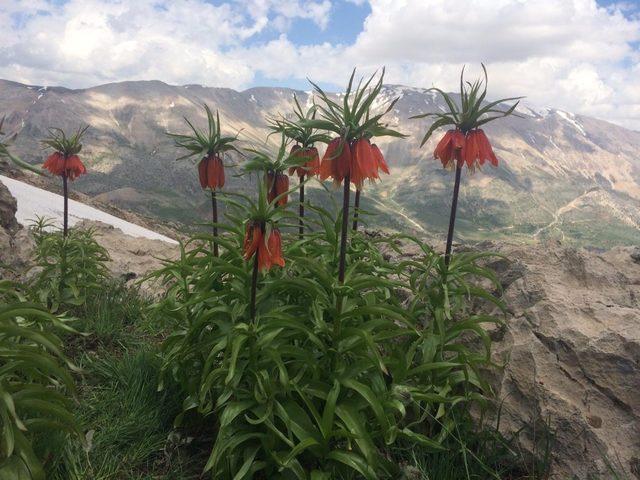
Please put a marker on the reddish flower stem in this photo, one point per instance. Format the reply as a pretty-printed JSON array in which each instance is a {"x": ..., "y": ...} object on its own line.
[
  {"x": 254, "y": 277},
  {"x": 214, "y": 217},
  {"x": 356, "y": 208},
  {"x": 301, "y": 209},
  {"x": 65, "y": 193},
  {"x": 345, "y": 226},
  {"x": 452, "y": 217},
  {"x": 254, "y": 285},
  {"x": 343, "y": 246},
  {"x": 274, "y": 190}
]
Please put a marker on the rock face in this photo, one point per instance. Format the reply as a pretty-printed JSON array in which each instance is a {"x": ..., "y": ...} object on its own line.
[
  {"x": 573, "y": 350},
  {"x": 131, "y": 257},
  {"x": 15, "y": 243}
]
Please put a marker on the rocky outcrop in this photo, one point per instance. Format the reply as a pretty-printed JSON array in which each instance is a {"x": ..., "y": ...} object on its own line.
[
  {"x": 15, "y": 242},
  {"x": 572, "y": 347},
  {"x": 131, "y": 258}
]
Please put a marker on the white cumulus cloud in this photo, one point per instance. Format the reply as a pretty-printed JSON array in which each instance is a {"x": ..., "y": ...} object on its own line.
[{"x": 572, "y": 54}]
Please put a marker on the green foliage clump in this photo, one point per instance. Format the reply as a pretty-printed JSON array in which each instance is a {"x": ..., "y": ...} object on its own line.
[
  {"x": 34, "y": 382},
  {"x": 67, "y": 269},
  {"x": 326, "y": 376}
]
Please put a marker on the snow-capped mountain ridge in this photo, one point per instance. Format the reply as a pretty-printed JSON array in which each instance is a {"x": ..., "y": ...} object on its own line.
[{"x": 549, "y": 157}]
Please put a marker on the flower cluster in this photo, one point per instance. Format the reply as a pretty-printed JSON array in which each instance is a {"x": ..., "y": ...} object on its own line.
[
  {"x": 309, "y": 161},
  {"x": 466, "y": 143},
  {"x": 267, "y": 245},
  {"x": 277, "y": 184},
  {"x": 474, "y": 149},
  {"x": 60, "y": 164},
  {"x": 361, "y": 160},
  {"x": 211, "y": 172},
  {"x": 64, "y": 160}
]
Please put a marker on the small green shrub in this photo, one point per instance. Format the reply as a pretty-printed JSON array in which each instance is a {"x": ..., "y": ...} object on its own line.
[
  {"x": 34, "y": 380},
  {"x": 67, "y": 269},
  {"x": 303, "y": 390}
]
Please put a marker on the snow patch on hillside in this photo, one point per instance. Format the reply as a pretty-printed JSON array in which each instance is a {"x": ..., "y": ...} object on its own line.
[
  {"x": 33, "y": 202},
  {"x": 570, "y": 119}
]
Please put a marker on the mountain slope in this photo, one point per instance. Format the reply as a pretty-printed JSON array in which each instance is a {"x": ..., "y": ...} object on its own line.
[{"x": 561, "y": 175}]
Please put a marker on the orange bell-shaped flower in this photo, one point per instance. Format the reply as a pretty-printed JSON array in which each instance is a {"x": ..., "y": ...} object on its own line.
[
  {"x": 450, "y": 148},
  {"x": 310, "y": 158},
  {"x": 379, "y": 158},
  {"x": 269, "y": 250},
  {"x": 336, "y": 162},
  {"x": 70, "y": 166},
  {"x": 365, "y": 164},
  {"x": 485, "y": 151},
  {"x": 277, "y": 183},
  {"x": 211, "y": 172},
  {"x": 275, "y": 248}
]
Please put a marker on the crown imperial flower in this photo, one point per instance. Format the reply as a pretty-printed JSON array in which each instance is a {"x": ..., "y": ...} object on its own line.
[
  {"x": 211, "y": 172},
  {"x": 310, "y": 158},
  {"x": 336, "y": 162},
  {"x": 268, "y": 248},
  {"x": 71, "y": 166},
  {"x": 277, "y": 183}
]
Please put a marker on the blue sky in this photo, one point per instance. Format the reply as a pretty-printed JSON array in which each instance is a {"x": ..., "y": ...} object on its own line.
[{"x": 579, "y": 55}]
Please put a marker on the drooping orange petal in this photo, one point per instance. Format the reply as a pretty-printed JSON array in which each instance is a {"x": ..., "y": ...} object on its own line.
[
  {"x": 212, "y": 172},
  {"x": 313, "y": 164},
  {"x": 264, "y": 258},
  {"x": 295, "y": 153},
  {"x": 275, "y": 248},
  {"x": 471, "y": 150},
  {"x": 74, "y": 167},
  {"x": 221, "y": 178},
  {"x": 443, "y": 148},
  {"x": 220, "y": 172},
  {"x": 326, "y": 166},
  {"x": 252, "y": 239},
  {"x": 485, "y": 148},
  {"x": 202, "y": 172},
  {"x": 344, "y": 161},
  {"x": 450, "y": 147},
  {"x": 215, "y": 172},
  {"x": 282, "y": 185},
  {"x": 363, "y": 166},
  {"x": 336, "y": 163},
  {"x": 269, "y": 183},
  {"x": 54, "y": 163},
  {"x": 379, "y": 159}
]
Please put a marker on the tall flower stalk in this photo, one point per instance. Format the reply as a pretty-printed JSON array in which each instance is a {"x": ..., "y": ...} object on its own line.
[
  {"x": 348, "y": 158},
  {"x": 212, "y": 145},
  {"x": 65, "y": 162},
  {"x": 466, "y": 143},
  {"x": 274, "y": 171},
  {"x": 304, "y": 153},
  {"x": 262, "y": 240}
]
